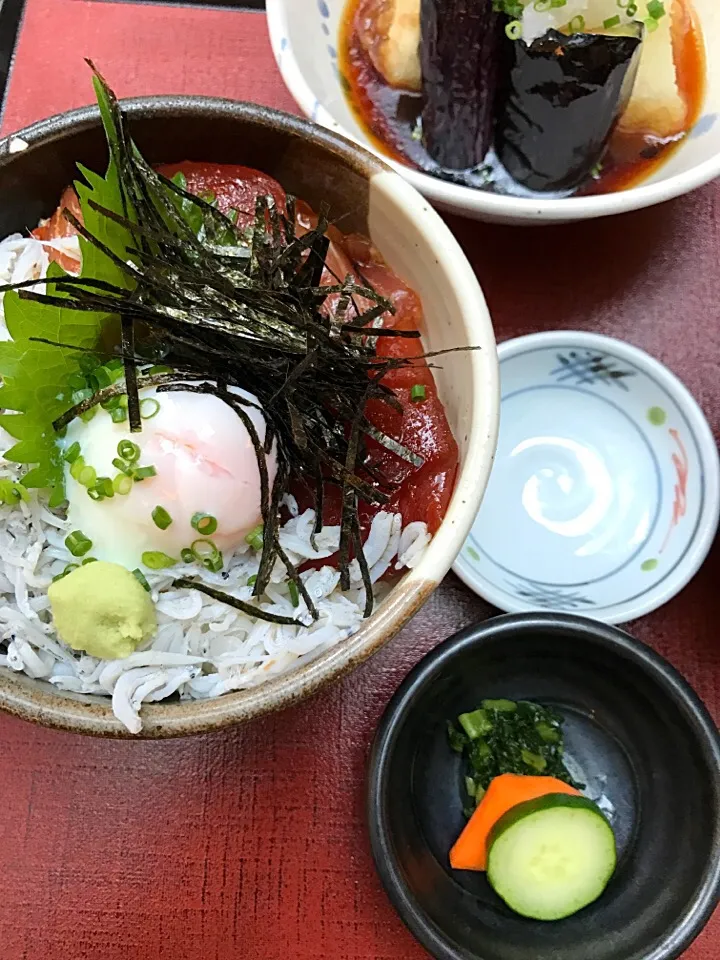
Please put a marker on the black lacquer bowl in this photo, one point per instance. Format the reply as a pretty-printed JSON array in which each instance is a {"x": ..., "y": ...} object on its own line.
[{"x": 637, "y": 732}]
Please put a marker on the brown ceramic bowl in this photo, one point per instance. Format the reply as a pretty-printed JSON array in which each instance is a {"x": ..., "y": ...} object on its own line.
[{"x": 315, "y": 165}]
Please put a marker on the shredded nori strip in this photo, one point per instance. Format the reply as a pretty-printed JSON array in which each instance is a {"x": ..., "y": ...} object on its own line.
[{"x": 227, "y": 311}]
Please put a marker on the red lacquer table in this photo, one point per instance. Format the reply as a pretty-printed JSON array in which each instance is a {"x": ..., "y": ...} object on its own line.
[{"x": 251, "y": 844}]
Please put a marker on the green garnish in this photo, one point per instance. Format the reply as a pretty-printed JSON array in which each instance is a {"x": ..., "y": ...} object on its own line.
[
  {"x": 143, "y": 473},
  {"x": 157, "y": 560},
  {"x": 252, "y": 580},
  {"x": 505, "y": 736},
  {"x": 128, "y": 451},
  {"x": 656, "y": 9},
  {"x": 87, "y": 416},
  {"x": 77, "y": 468},
  {"x": 122, "y": 484},
  {"x": 294, "y": 593},
  {"x": 514, "y": 30},
  {"x": 651, "y": 24},
  {"x": 68, "y": 569},
  {"x": 118, "y": 415},
  {"x": 72, "y": 453},
  {"x": 78, "y": 544},
  {"x": 577, "y": 24},
  {"x": 161, "y": 518},
  {"x": 206, "y": 553},
  {"x": 141, "y": 579},
  {"x": 12, "y": 492},
  {"x": 87, "y": 476},
  {"x": 149, "y": 408},
  {"x": 611, "y": 22},
  {"x": 87, "y": 560},
  {"x": 186, "y": 555},
  {"x": 255, "y": 538},
  {"x": 101, "y": 489},
  {"x": 417, "y": 392},
  {"x": 204, "y": 523}
]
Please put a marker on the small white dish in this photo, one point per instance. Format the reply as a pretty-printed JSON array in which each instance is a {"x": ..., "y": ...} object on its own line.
[
  {"x": 605, "y": 494},
  {"x": 305, "y": 36}
]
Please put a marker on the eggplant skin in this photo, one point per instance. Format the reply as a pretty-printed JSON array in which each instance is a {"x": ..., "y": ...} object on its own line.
[
  {"x": 459, "y": 53},
  {"x": 563, "y": 98}
]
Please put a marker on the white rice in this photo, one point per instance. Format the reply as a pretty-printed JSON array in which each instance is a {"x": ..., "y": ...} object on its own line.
[{"x": 202, "y": 648}]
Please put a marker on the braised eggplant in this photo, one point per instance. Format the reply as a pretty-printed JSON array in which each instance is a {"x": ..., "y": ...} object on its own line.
[
  {"x": 459, "y": 53},
  {"x": 564, "y": 95}
]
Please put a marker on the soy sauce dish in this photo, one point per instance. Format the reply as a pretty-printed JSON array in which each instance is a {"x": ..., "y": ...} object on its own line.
[{"x": 512, "y": 737}]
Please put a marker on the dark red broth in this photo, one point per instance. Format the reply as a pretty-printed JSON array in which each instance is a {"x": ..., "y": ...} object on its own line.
[{"x": 389, "y": 117}]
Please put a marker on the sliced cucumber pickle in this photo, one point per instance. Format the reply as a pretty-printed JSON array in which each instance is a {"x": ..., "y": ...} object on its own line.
[{"x": 550, "y": 857}]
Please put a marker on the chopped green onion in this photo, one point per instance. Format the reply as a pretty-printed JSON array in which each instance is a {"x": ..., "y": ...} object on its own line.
[
  {"x": 140, "y": 577},
  {"x": 207, "y": 554},
  {"x": 88, "y": 560},
  {"x": 558, "y": 3},
  {"x": 542, "y": 5},
  {"x": 149, "y": 408},
  {"x": 122, "y": 466},
  {"x": 158, "y": 369},
  {"x": 88, "y": 362},
  {"x": 204, "y": 523},
  {"x": 161, "y": 518},
  {"x": 118, "y": 415},
  {"x": 105, "y": 486},
  {"x": 514, "y": 30},
  {"x": 102, "y": 377},
  {"x": 157, "y": 560},
  {"x": 186, "y": 555},
  {"x": 294, "y": 593},
  {"x": 656, "y": 9},
  {"x": 651, "y": 24},
  {"x": 128, "y": 451},
  {"x": 88, "y": 415},
  {"x": 88, "y": 476},
  {"x": 78, "y": 544},
  {"x": 418, "y": 392},
  {"x": 611, "y": 22},
  {"x": 68, "y": 569},
  {"x": 142, "y": 473},
  {"x": 632, "y": 10},
  {"x": 255, "y": 538},
  {"x": 72, "y": 453},
  {"x": 122, "y": 484},
  {"x": 79, "y": 396},
  {"x": 111, "y": 403},
  {"x": 577, "y": 24},
  {"x": 252, "y": 580},
  {"x": 12, "y": 492},
  {"x": 77, "y": 467}
]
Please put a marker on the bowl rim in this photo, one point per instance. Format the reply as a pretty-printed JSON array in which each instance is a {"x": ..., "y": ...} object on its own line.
[
  {"x": 709, "y": 516},
  {"x": 506, "y": 628},
  {"x": 480, "y": 203},
  {"x": 89, "y": 714}
]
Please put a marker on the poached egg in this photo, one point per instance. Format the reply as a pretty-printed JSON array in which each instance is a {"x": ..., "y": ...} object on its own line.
[{"x": 205, "y": 463}]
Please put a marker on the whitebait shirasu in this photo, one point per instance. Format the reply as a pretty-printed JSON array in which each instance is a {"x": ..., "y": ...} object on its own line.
[{"x": 203, "y": 648}]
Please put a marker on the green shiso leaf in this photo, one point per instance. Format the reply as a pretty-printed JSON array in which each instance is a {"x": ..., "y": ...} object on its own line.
[{"x": 36, "y": 375}]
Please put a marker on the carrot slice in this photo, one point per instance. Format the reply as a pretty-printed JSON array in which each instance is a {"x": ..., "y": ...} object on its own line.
[{"x": 504, "y": 792}]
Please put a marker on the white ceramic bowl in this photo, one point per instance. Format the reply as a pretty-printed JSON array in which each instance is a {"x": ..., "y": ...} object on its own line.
[
  {"x": 605, "y": 494},
  {"x": 304, "y": 36}
]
